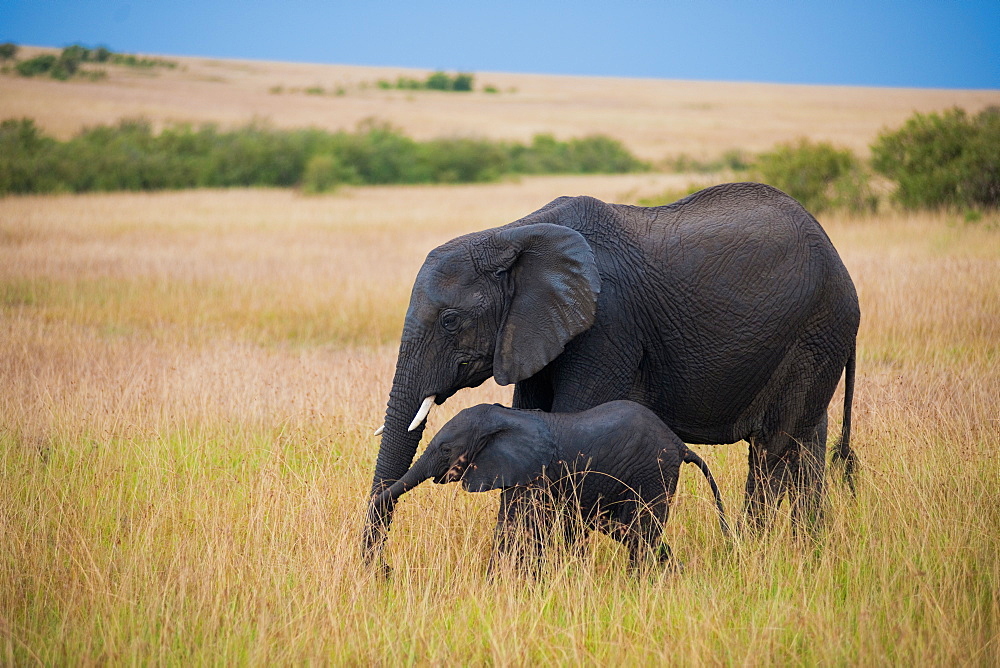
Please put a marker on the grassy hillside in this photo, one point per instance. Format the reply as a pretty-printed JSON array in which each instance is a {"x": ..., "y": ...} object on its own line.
[
  {"x": 654, "y": 118},
  {"x": 189, "y": 382}
]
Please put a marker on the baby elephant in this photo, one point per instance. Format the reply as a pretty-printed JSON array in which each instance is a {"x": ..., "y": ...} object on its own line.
[{"x": 615, "y": 467}]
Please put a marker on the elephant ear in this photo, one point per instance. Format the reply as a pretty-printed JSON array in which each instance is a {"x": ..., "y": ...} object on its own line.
[
  {"x": 555, "y": 285},
  {"x": 511, "y": 456}
]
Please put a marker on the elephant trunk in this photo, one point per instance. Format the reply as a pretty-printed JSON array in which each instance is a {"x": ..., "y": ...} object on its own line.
[
  {"x": 383, "y": 503},
  {"x": 397, "y": 448},
  {"x": 419, "y": 472}
]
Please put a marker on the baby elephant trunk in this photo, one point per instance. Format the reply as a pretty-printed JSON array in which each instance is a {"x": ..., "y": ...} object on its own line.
[
  {"x": 386, "y": 501},
  {"x": 692, "y": 457}
]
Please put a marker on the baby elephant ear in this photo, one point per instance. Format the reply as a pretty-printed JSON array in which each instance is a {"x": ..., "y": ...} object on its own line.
[
  {"x": 555, "y": 286},
  {"x": 513, "y": 456}
]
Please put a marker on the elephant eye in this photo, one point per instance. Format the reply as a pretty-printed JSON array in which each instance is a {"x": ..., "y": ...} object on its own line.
[{"x": 450, "y": 321}]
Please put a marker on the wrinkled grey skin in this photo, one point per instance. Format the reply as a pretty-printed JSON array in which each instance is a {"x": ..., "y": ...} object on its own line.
[
  {"x": 729, "y": 313},
  {"x": 613, "y": 468}
]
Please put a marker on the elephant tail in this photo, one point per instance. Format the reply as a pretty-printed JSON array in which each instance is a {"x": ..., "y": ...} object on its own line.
[
  {"x": 843, "y": 452},
  {"x": 691, "y": 457}
]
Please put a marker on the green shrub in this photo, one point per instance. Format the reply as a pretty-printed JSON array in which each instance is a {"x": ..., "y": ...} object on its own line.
[
  {"x": 462, "y": 82},
  {"x": 122, "y": 157},
  {"x": 324, "y": 173},
  {"x": 737, "y": 160},
  {"x": 379, "y": 154},
  {"x": 465, "y": 160},
  {"x": 71, "y": 57},
  {"x": 406, "y": 83},
  {"x": 596, "y": 154},
  {"x": 602, "y": 154},
  {"x": 42, "y": 64},
  {"x": 946, "y": 160},
  {"x": 26, "y": 158},
  {"x": 818, "y": 175},
  {"x": 129, "y": 60},
  {"x": 8, "y": 50},
  {"x": 734, "y": 159},
  {"x": 438, "y": 81}
]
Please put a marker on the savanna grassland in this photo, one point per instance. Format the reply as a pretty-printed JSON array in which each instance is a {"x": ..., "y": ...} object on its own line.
[{"x": 189, "y": 382}]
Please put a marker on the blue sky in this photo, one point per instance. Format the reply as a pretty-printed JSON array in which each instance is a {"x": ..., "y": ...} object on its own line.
[{"x": 944, "y": 44}]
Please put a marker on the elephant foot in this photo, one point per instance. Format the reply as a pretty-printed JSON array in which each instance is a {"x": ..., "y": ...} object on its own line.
[
  {"x": 667, "y": 559},
  {"x": 373, "y": 557},
  {"x": 380, "y": 568},
  {"x": 649, "y": 561}
]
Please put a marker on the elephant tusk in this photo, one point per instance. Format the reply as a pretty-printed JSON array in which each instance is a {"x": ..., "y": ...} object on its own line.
[
  {"x": 378, "y": 432},
  {"x": 425, "y": 408}
]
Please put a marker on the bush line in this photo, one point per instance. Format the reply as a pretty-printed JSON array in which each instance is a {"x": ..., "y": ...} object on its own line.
[
  {"x": 438, "y": 80},
  {"x": 936, "y": 161},
  {"x": 130, "y": 156},
  {"x": 69, "y": 61}
]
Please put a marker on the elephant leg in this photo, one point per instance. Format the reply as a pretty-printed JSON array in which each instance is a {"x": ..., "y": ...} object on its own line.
[
  {"x": 787, "y": 453},
  {"x": 767, "y": 482},
  {"x": 522, "y": 527},
  {"x": 577, "y": 516},
  {"x": 507, "y": 527},
  {"x": 574, "y": 531},
  {"x": 659, "y": 513},
  {"x": 807, "y": 489},
  {"x": 788, "y": 465},
  {"x": 640, "y": 528}
]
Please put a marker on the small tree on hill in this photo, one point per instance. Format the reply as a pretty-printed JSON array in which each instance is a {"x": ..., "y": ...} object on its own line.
[
  {"x": 439, "y": 81},
  {"x": 817, "y": 175},
  {"x": 462, "y": 82},
  {"x": 951, "y": 159}
]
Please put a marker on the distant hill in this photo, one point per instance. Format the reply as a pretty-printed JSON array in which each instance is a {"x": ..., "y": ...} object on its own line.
[{"x": 654, "y": 118}]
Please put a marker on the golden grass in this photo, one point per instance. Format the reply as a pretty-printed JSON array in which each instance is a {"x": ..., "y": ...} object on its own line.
[
  {"x": 189, "y": 381},
  {"x": 655, "y": 118}
]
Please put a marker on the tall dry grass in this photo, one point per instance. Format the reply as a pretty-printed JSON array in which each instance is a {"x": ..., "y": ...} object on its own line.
[{"x": 189, "y": 381}]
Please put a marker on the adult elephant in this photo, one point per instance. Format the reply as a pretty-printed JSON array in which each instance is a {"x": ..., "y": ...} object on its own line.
[{"x": 729, "y": 313}]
